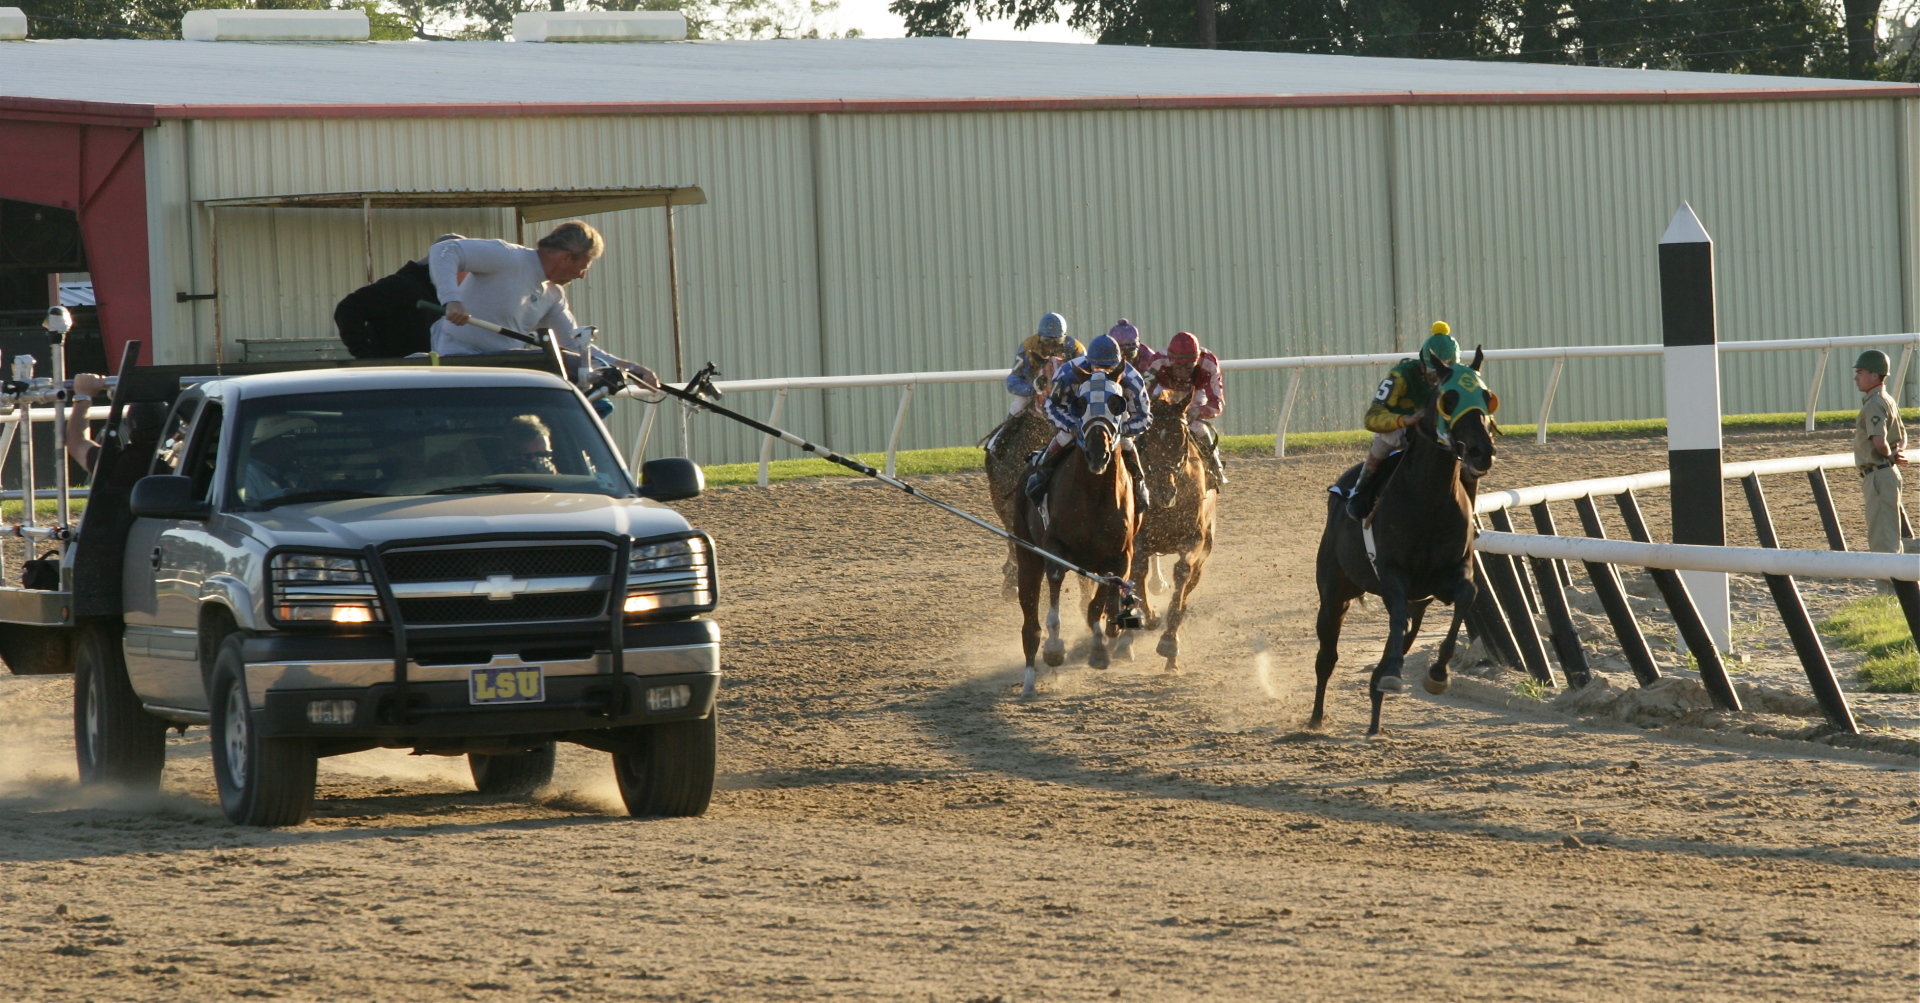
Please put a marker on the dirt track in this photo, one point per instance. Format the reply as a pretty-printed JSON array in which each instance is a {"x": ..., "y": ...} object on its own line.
[{"x": 895, "y": 826}]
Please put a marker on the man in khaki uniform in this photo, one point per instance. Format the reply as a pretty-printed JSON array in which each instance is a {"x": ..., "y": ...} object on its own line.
[{"x": 1878, "y": 439}]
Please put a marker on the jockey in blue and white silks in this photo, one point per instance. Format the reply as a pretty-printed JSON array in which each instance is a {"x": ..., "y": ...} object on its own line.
[{"x": 1099, "y": 382}]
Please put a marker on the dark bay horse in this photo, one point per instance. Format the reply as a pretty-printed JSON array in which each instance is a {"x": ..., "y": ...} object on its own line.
[
  {"x": 1180, "y": 521},
  {"x": 1087, "y": 518},
  {"x": 1422, "y": 528}
]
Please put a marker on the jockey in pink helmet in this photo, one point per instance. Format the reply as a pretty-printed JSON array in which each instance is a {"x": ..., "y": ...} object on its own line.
[
  {"x": 1136, "y": 353},
  {"x": 1192, "y": 374}
]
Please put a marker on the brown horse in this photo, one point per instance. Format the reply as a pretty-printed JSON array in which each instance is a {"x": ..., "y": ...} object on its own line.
[
  {"x": 1087, "y": 518},
  {"x": 1422, "y": 527},
  {"x": 1007, "y": 449},
  {"x": 1180, "y": 521}
]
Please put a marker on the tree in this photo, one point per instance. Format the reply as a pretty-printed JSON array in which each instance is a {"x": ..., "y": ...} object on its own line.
[{"x": 1790, "y": 37}]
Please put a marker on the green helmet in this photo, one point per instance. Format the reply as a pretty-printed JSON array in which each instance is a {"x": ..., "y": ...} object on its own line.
[
  {"x": 1440, "y": 348},
  {"x": 1873, "y": 361}
]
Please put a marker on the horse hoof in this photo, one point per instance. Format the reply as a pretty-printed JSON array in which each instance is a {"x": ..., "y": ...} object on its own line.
[
  {"x": 1098, "y": 660},
  {"x": 1389, "y": 684},
  {"x": 1437, "y": 686},
  {"x": 1169, "y": 647},
  {"x": 1154, "y": 622}
]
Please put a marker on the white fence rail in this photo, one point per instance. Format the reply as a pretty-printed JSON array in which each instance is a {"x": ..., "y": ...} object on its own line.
[
  {"x": 1603, "y": 486},
  {"x": 1299, "y": 364},
  {"x": 1688, "y": 557}
]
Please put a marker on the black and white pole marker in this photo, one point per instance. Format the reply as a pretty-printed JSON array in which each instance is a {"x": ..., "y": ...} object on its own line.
[{"x": 1690, "y": 331}]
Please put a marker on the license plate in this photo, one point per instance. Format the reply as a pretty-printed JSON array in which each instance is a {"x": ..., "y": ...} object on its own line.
[{"x": 518, "y": 684}]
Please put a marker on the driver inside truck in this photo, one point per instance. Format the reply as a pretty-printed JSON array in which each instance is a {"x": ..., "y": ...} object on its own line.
[{"x": 526, "y": 447}]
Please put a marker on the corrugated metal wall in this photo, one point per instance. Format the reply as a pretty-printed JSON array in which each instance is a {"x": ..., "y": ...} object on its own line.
[{"x": 883, "y": 243}]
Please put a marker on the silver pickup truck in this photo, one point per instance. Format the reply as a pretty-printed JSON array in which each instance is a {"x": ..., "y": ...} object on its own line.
[{"x": 445, "y": 559}]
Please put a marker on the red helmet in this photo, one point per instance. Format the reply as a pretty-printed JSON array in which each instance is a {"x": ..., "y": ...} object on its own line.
[{"x": 1184, "y": 347}]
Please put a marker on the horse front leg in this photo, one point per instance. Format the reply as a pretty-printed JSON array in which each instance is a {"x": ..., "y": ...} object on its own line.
[
  {"x": 1464, "y": 594},
  {"x": 1386, "y": 675},
  {"x": 1055, "y": 651},
  {"x": 1010, "y": 574},
  {"x": 1028, "y": 584},
  {"x": 1333, "y": 613},
  {"x": 1103, "y": 597},
  {"x": 1186, "y": 575}
]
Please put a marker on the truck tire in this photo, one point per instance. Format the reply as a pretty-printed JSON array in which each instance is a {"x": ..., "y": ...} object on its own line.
[
  {"x": 115, "y": 740},
  {"x": 668, "y": 770},
  {"x": 512, "y": 775},
  {"x": 262, "y": 781}
]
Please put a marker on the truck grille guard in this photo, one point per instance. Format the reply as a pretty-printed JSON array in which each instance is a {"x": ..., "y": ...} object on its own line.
[{"x": 615, "y": 610}]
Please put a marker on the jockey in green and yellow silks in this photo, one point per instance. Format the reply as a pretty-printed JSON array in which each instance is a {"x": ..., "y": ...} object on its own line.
[{"x": 1401, "y": 400}]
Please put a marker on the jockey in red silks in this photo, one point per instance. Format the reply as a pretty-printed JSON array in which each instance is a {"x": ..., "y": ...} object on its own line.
[
  {"x": 1101, "y": 381},
  {"x": 1135, "y": 353},
  {"x": 1191, "y": 373}
]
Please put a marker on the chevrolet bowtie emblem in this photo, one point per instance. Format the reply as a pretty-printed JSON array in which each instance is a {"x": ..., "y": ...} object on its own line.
[{"x": 500, "y": 588}]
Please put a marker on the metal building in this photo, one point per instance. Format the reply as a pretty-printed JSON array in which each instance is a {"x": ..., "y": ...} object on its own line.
[{"x": 892, "y": 205}]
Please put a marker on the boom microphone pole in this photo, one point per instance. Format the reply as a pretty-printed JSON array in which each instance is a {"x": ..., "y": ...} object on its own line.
[{"x": 701, "y": 393}]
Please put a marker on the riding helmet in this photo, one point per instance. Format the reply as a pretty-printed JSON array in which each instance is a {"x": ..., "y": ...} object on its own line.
[
  {"x": 1184, "y": 346},
  {"x": 1125, "y": 333},
  {"x": 1053, "y": 327},
  {"x": 1440, "y": 349},
  {"x": 1873, "y": 361},
  {"x": 1104, "y": 352}
]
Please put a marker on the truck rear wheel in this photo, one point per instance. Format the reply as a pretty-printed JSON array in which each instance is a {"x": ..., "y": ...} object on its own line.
[
  {"x": 262, "y": 781},
  {"x": 115, "y": 740},
  {"x": 668, "y": 769},
  {"x": 515, "y": 774}
]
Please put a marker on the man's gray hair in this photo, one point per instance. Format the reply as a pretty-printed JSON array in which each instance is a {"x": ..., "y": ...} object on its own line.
[{"x": 575, "y": 238}]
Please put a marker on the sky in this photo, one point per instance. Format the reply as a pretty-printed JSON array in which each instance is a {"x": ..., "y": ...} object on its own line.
[{"x": 874, "y": 20}]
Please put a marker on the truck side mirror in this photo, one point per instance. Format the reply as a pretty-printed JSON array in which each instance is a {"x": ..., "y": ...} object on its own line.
[
  {"x": 670, "y": 478},
  {"x": 167, "y": 496}
]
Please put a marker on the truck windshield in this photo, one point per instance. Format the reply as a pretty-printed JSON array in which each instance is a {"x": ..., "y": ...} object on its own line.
[{"x": 391, "y": 443}]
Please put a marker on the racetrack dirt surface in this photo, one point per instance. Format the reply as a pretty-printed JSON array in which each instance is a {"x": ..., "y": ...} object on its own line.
[{"x": 894, "y": 824}]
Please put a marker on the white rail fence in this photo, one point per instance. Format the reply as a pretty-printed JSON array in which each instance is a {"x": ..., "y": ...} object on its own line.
[
  {"x": 1298, "y": 364},
  {"x": 1514, "y": 592}
]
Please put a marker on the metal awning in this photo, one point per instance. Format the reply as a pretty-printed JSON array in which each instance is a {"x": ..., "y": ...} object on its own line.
[{"x": 534, "y": 205}]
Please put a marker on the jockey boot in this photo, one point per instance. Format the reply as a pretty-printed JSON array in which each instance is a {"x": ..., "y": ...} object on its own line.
[
  {"x": 1216, "y": 471},
  {"x": 1142, "y": 500},
  {"x": 1360, "y": 501},
  {"x": 1043, "y": 461}
]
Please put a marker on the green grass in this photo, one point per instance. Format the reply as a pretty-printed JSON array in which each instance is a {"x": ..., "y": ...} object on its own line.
[
  {"x": 1875, "y": 627},
  {"x": 955, "y": 459},
  {"x": 45, "y": 508}
]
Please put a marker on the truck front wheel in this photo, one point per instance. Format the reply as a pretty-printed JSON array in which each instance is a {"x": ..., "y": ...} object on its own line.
[
  {"x": 667, "y": 769},
  {"x": 115, "y": 740},
  {"x": 262, "y": 781},
  {"x": 515, "y": 774}
]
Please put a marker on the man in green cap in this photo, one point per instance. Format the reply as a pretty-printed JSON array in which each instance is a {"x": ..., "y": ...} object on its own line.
[
  {"x": 1878, "y": 439},
  {"x": 1400, "y": 400}
]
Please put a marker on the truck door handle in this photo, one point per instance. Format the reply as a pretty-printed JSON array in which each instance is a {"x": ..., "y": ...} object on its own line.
[{"x": 154, "y": 558}]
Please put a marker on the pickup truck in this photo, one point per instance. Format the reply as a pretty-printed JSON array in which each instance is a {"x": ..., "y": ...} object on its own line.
[{"x": 452, "y": 560}]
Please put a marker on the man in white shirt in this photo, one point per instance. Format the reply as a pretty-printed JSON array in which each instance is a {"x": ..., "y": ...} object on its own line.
[{"x": 521, "y": 289}]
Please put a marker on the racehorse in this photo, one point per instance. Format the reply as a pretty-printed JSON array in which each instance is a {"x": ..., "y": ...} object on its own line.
[
  {"x": 1422, "y": 535},
  {"x": 1088, "y": 518},
  {"x": 1179, "y": 522},
  {"x": 1007, "y": 447}
]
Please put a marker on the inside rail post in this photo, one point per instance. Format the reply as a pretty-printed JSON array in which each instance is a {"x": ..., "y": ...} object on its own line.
[
  {"x": 1909, "y": 593},
  {"x": 1900, "y": 374},
  {"x": 1503, "y": 574},
  {"x": 1489, "y": 620},
  {"x": 1806, "y": 640},
  {"x": 899, "y": 422},
  {"x": 1286, "y": 412},
  {"x": 1613, "y": 598},
  {"x": 766, "y": 443},
  {"x": 1502, "y": 522},
  {"x": 1813, "y": 390},
  {"x": 1829, "y": 518},
  {"x": 1686, "y": 616},
  {"x": 1546, "y": 399},
  {"x": 646, "y": 432},
  {"x": 1566, "y": 639}
]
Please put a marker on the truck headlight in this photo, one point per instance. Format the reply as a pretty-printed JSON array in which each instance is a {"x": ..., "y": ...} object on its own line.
[
  {"x": 323, "y": 588},
  {"x": 673, "y": 576}
]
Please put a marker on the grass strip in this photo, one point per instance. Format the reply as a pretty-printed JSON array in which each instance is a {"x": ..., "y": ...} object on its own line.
[
  {"x": 1877, "y": 628},
  {"x": 956, "y": 459}
]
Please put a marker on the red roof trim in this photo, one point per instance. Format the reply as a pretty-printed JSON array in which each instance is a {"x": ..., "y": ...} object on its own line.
[{"x": 132, "y": 114}]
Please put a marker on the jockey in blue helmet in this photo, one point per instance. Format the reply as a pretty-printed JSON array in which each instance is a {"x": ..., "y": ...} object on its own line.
[
  {"x": 1075, "y": 389},
  {"x": 1030, "y": 361}
]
